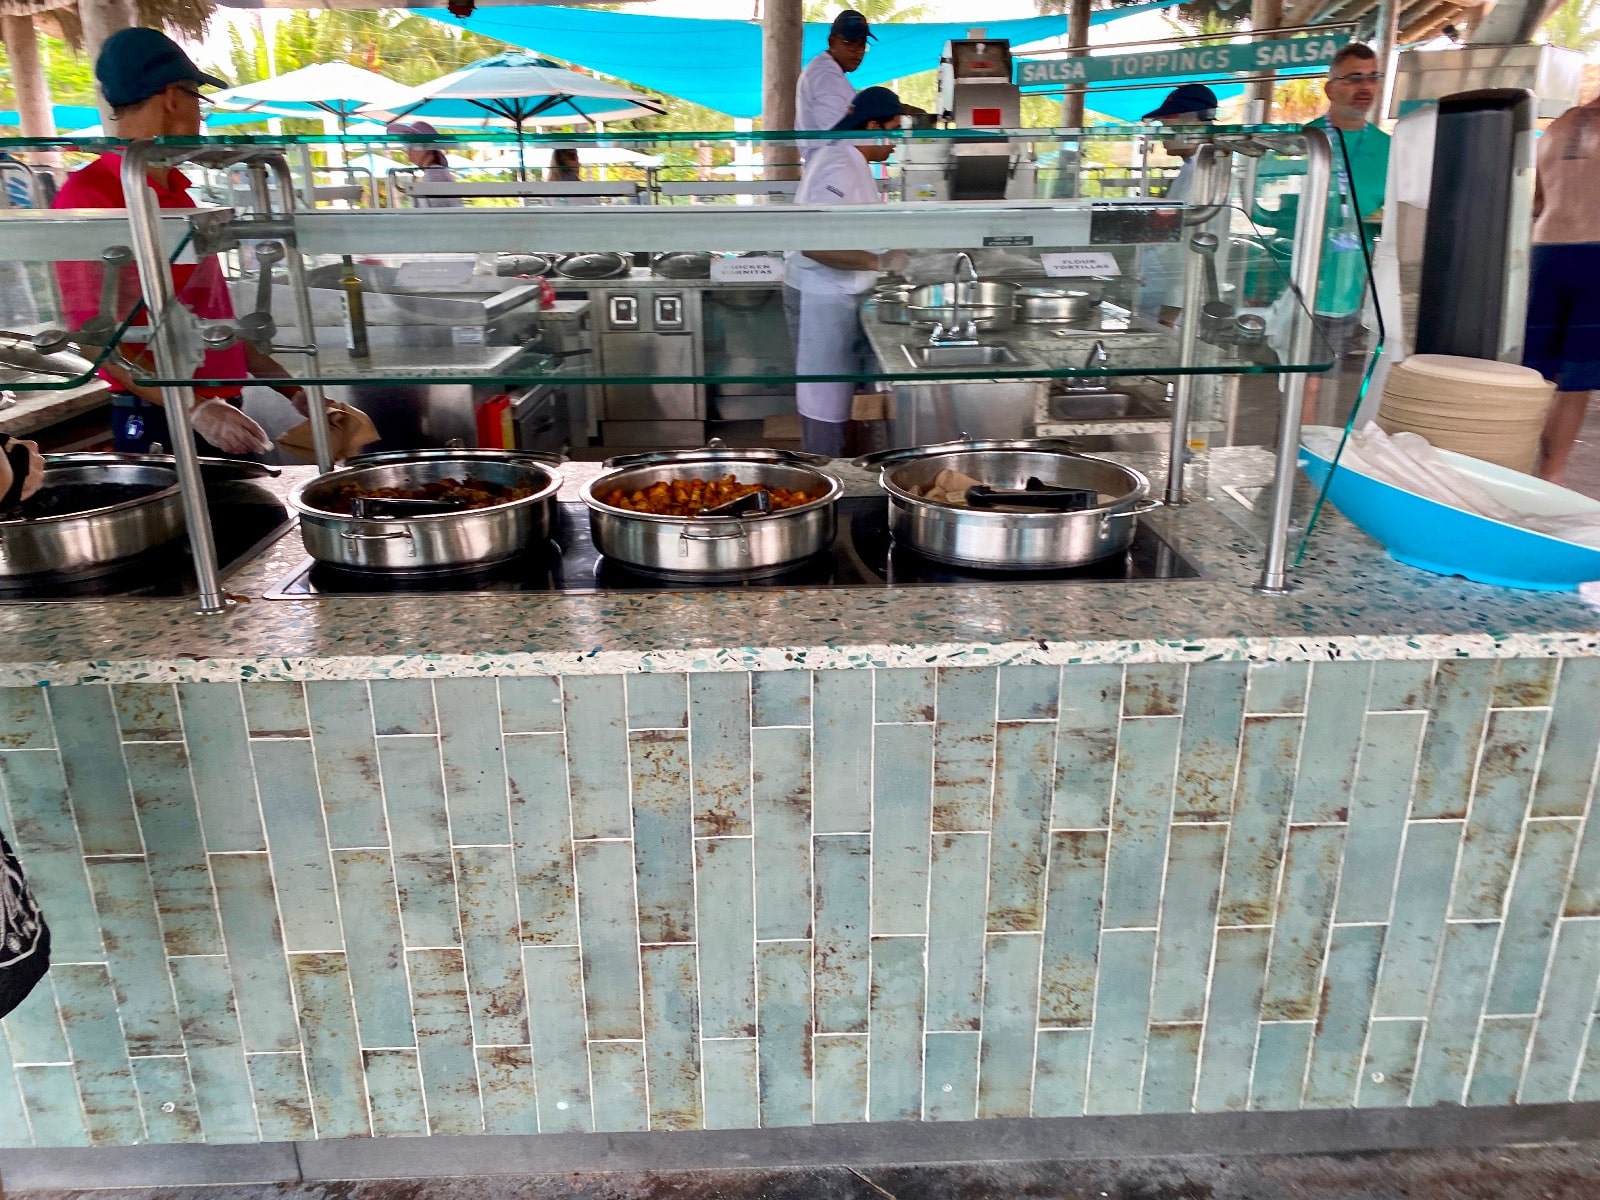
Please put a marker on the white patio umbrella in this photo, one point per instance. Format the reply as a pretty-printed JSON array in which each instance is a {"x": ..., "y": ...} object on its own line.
[
  {"x": 321, "y": 90},
  {"x": 522, "y": 89}
]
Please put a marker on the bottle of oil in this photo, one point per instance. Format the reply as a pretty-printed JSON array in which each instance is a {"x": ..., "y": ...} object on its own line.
[{"x": 355, "y": 311}]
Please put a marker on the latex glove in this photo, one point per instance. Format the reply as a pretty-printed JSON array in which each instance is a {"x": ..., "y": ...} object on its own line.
[
  {"x": 228, "y": 429},
  {"x": 894, "y": 262}
]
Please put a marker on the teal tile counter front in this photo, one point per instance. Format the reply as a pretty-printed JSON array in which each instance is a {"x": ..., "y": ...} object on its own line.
[{"x": 395, "y": 907}]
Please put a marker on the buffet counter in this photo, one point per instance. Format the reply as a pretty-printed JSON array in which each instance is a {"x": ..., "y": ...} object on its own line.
[{"x": 406, "y": 864}]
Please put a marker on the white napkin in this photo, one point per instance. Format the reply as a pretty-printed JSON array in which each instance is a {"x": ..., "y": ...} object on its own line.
[{"x": 1407, "y": 461}]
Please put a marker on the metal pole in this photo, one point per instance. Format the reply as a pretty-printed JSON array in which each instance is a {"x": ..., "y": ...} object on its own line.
[
  {"x": 155, "y": 281},
  {"x": 1188, "y": 338},
  {"x": 1308, "y": 233},
  {"x": 1388, "y": 53},
  {"x": 321, "y": 438}
]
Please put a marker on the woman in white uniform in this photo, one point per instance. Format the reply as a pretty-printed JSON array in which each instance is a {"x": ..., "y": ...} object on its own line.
[{"x": 823, "y": 288}]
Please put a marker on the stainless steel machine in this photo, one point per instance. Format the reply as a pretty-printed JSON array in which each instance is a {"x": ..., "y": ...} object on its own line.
[
  {"x": 646, "y": 333},
  {"x": 975, "y": 92}
]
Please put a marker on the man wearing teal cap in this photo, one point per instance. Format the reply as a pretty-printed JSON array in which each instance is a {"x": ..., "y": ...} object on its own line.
[{"x": 153, "y": 90}]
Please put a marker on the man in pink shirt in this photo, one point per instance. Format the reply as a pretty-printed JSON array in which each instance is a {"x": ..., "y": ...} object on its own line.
[{"x": 153, "y": 90}]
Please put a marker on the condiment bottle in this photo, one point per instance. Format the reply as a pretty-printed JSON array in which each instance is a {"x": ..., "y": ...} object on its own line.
[{"x": 355, "y": 311}]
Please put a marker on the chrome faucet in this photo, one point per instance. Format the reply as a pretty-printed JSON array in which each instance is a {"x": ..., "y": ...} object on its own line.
[
  {"x": 1097, "y": 355},
  {"x": 958, "y": 333}
]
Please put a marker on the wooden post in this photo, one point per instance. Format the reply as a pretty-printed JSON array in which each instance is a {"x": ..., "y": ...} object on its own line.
[
  {"x": 1077, "y": 42},
  {"x": 29, "y": 84},
  {"x": 27, "y": 76},
  {"x": 1264, "y": 15},
  {"x": 782, "y": 28},
  {"x": 102, "y": 18}
]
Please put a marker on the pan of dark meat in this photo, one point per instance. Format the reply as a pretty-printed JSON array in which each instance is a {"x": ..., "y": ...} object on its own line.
[{"x": 424, "y": 511}]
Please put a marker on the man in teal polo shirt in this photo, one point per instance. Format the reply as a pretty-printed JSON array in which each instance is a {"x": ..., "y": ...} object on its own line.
[{"x": 1356, "y": 195}]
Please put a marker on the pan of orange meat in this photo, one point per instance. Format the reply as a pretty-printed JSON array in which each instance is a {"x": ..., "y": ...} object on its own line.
[{"x": 714, "y": 512}]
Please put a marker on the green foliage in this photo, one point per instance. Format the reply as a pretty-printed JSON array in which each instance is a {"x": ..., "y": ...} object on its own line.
[
  {"x": 70, "y": 75},
  {"x": 884, "y": 12},
  {"x": 1575, "y": 26},
  {"x": 408, "y": 48}
]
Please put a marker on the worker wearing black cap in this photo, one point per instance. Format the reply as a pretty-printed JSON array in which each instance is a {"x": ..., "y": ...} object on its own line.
[
  {"x": 823, "y": 288},
  {"x": 823, "y": 95},
  {"x": 1161, "y": 273}
]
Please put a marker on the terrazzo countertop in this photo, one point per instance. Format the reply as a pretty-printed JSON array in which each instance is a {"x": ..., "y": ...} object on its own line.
[{"x": 1350, "y": 602}]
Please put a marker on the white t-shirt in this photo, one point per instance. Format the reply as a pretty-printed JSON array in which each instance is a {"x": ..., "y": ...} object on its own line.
[
  {"x": 836, "y": 173},
  {"x": 823, "y": 95}
]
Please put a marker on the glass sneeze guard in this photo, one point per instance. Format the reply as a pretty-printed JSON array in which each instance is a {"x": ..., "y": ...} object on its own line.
[{"x": 469, "y": 323}]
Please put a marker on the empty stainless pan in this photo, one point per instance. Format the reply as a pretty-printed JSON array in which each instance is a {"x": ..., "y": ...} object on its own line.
[
  {"x": 988, "y": 303},
  {"x": 1044, "y": 305}
]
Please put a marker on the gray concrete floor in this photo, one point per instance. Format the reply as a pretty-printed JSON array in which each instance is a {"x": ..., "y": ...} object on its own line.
[{"x": 1563, "y": 1172}]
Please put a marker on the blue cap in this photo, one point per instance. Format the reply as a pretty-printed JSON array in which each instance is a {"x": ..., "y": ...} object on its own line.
[
  {"x": 851, "y": 26},
  {"x": 1189, "y": 98},
  {"x": 871, "y": 104},
  {"x": 135, "y": 64}
]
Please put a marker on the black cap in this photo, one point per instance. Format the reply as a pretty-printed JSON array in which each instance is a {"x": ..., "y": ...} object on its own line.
[
  {"x": 871, "y": 104},
  {"x": 1188, "y": 98},
  {"x": 135, "y": 64},
  {"x": 851, "y": 26}
]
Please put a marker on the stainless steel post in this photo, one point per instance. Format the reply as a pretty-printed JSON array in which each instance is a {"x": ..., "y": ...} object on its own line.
[
  {"x": 321, "y": 439},
  {"x": 1308, "y": 234},
  {"x": 1388, "y": 53},
  {"x": 155, "y": 281},
  {"x": 1188, "y": 335}
]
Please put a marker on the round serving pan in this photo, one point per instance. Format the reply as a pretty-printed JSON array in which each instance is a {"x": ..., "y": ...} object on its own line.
[
  {"x": 714, "y": 547},
  {"x": 1043, "y": 305},
  {"x": 438, "y": 542},
  {"x": 988, "y": 303},
  {"x": 994, "y": 540},
  {"x": 94, "y": 510}
]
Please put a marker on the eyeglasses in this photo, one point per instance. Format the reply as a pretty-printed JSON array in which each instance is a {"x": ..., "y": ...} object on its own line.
[
  {"x": 1367, "y": 77},
  {"x": 193, "y": 91}
]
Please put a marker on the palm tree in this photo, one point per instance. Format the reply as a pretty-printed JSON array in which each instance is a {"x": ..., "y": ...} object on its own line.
[
  {"x": 406, "y": 47},
  {"x": 877, "y": 12},
  {"x": 1574, "y": 26}
]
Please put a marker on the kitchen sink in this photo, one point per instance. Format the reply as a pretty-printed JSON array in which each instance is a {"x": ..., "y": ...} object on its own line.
[
  {"x": 959, "y": 356},
  {"x": 1098, "y": 405}
]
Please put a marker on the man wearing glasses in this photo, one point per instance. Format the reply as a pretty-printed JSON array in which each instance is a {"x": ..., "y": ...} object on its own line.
[
  {"x": 1356, "y": 205},
  {"x": 153, "y": 90}
]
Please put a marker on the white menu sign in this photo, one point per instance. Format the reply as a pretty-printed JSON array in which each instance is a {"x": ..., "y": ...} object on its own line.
[
  {"x": 747, "y": 270},
  {"x": 1078, "y": 263}
]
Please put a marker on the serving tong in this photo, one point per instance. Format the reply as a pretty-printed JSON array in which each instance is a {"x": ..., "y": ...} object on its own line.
[
  {"x": 373, "y": 508},
  {"x": 1036, "y": 493},
  {"x": 758, "y": 502}
]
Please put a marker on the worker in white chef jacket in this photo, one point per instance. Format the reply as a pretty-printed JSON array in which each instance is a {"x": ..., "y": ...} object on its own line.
[
  {"x": 824, "y": 93},
  {"x": 823, "y": 288}
]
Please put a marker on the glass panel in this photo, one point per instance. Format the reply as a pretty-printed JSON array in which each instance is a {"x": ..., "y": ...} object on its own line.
[{"x": 61, "y": 319}]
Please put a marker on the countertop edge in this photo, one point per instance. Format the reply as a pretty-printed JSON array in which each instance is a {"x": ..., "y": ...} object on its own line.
[{"x": 599, "y": 661}]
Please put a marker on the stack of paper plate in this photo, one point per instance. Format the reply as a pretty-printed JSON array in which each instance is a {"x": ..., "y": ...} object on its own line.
[{"x": 1490, "y": 410}]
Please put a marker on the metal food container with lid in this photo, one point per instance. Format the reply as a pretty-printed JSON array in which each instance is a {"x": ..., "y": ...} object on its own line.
[
  {"x": 999, "y": 539},
  {"x": 714, "y": 547},
  {"x": 143, "y": 510},
  {"x": 466, "y": 540}
]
